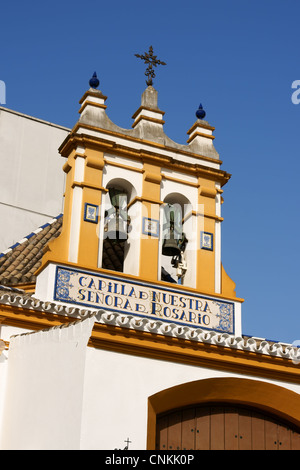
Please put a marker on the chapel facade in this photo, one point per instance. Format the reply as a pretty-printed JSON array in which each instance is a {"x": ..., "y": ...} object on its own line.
[{"x": 118, "y": 319}]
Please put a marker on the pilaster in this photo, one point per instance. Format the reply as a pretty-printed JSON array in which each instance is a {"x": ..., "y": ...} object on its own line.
[{"x": 149, "y": 244}]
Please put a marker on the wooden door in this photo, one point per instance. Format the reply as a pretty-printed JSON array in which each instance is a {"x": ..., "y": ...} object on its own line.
[{"x": 222, "y": 427}]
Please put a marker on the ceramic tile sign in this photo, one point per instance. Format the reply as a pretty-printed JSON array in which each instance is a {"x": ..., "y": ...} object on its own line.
[{"x": 111, "y": 293}]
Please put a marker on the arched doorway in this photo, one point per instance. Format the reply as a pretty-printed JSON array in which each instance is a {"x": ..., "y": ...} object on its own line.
[
  {"x": 248, "y": 408},
  {"x": 224, "y": 427}
]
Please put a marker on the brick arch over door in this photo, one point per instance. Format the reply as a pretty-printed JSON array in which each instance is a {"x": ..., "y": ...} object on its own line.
[{"x": 261, "y": 397}]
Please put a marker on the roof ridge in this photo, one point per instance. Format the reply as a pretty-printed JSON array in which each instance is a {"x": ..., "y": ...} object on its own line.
[
  {"x": 31, "y": 234},
  {"x": 33, "y": 118}
]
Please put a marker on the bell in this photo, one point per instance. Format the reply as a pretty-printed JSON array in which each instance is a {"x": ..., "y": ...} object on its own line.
[
  {"x": 115, "y": 228},
  {"x": 116, "y": 217},
  {"x": 170, "y": 246}
]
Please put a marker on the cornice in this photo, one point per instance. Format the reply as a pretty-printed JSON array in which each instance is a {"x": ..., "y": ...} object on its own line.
[
  {"x": 201, "y": 134},
  {"x": 136, "y": 140},
  {"x": 156, "y": 339},
  {"x": 101, "y": 144},
  {"x": 95, "y": 93},
  {"x": 147, "y": 118},
  {"x": 198, "y": 124},
  {"x": 147, "y": 108}
]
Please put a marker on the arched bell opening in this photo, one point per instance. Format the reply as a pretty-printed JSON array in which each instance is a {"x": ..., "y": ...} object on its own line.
[
  {"x": 175, "y": 234},
  {"x": 116, "y": 224}
]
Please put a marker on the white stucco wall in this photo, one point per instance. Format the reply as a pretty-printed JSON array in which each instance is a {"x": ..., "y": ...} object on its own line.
[
  {"x": 31, "y": 176},
  {"x": 44, "y": 384},
  {"x": 6, "y": 331},
  {"x": 3, "y": 375},
  {"x": 117, "y": 387},
  {"x": 61, "y": 394}
]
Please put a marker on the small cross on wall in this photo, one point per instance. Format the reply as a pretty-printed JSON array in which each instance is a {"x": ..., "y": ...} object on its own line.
[{"x": 127, "y": 442}]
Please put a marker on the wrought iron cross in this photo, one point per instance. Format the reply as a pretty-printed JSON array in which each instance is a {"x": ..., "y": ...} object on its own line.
[{"x": 152, "y": 61}]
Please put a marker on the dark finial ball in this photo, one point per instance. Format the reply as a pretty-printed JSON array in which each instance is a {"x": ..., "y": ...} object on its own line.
[
  {"x": 94, "y": 82},
  {"x": 200, "y": 113}
]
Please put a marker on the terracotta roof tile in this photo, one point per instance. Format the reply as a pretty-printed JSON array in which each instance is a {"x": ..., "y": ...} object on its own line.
[{"x": 19, "y": 263}]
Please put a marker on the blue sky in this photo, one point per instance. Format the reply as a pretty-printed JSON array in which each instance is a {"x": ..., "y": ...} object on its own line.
[{"x": 239, "y": 59}]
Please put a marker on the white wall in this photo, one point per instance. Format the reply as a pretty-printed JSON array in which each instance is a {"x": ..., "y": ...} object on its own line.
[
  {"x": 31, "y": 175},
  {"x": 117, "y": 387},
  {"x": 3, "y": 375},
  {"x": 6, "y": 331},
  {"x": 44, "y": 389},
  {"x": 61, "y": 394}
]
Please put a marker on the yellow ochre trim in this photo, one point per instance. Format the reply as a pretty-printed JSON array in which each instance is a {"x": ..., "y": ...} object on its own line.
[
  {"x": 147, "y": 118},
  {"x": 6, "y": 344},
  {"x": 92, "y": 93},
  {"x": 267, "y": 397},
  {"x": 95, "y": 162},
  {"x": 87, "y": 185},
  {"x": 91, "y": 103},
  {"x": 141, "y": 108},
  {"x": 144, "y": 199},
  {"x": 122, "y": 165},
  {"x": 149, "y": 247},
  {"x": 201, "y": 135},
  {"x": 133, "y": 139},
  {"x": 141, "y": 155},
  {"x": 208, "y": 192},
  {"x": 155, "y": 346},
  {"x": 178, "y": 180},
  {"x": 213, "y": 216},
  {"x": 153, "y": 177},
  {"x": 197, "y": 125}
]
